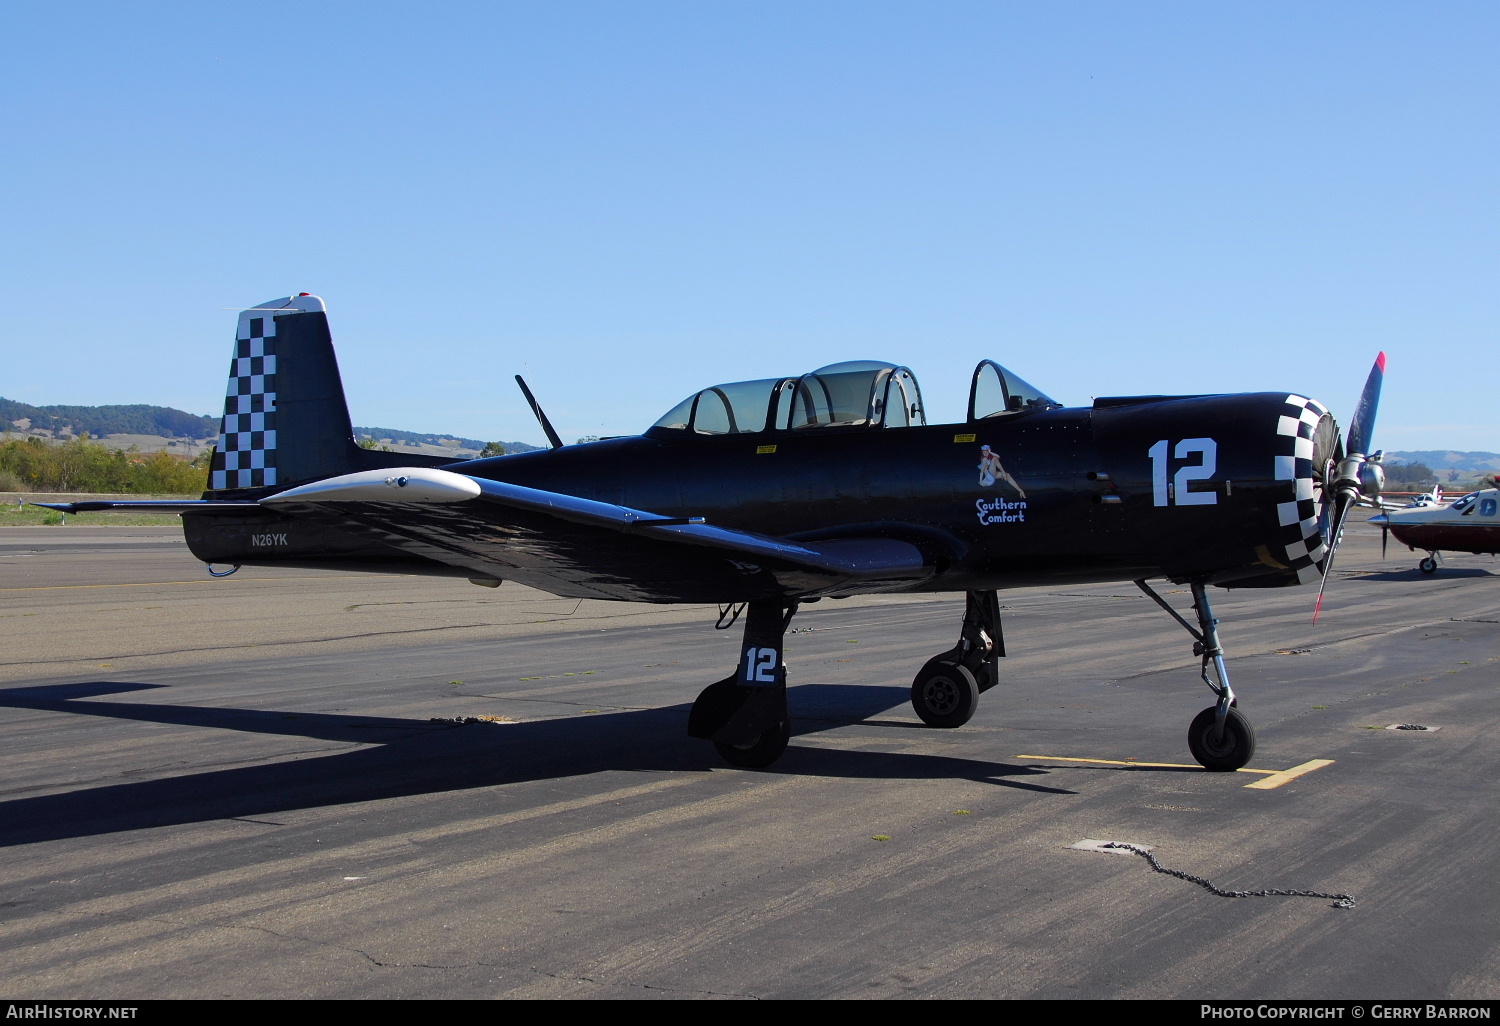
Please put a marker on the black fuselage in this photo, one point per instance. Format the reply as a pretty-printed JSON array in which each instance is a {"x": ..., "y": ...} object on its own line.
[{"x": 1186, "y": 487}]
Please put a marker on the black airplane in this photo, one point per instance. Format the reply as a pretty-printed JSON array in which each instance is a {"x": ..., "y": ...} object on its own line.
[{"x": 762, "y": 496}]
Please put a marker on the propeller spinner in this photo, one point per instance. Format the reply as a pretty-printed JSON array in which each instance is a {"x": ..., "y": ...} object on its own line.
[{"x": 1358, "y": 474}]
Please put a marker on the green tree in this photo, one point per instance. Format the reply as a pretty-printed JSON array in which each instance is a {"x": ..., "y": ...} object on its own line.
[
  {"x": 491, "y": 449},
  {"x": 1409, "y": 475}
]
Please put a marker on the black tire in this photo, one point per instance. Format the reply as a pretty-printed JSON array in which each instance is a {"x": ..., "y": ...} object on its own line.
[
  {"x": 1233, "y": 749},
  {"x": 1428, "y": 565},
  {"x": 945, "y": 694},
  {"x": 766, "y": 749}
]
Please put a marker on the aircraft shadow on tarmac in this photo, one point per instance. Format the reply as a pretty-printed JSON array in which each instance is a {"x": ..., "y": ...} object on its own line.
[
  {"x": 403, "y": 757},
  {"x": 1443, "y": 574}
]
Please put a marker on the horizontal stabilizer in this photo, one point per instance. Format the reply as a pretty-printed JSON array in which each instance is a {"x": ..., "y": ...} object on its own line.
[{"x": 152, "y": 506}]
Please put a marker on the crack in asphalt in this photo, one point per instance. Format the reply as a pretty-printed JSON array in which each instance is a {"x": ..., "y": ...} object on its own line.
[
  {"x": 119, "y": 917},
  {"x": 643, "y": 986},
  {"x": 388, "y": 965}
]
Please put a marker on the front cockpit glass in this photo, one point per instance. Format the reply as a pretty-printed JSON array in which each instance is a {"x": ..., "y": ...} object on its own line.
[
  {"x": 1025, "y": 396},
  {"x": 987, "y": 396},
  {"x": 857, "y": 394},
  {"x": 996, "y": 391},
  {"x": 1464, "y": 503},
  {"x": 733, "y": 409}
]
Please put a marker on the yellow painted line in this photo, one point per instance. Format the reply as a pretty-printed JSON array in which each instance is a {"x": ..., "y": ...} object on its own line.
[
  {"x": 1277, "y": 779},
  {"x": 1151, "y": 765},
  {"x": 1273, "y": 778}
]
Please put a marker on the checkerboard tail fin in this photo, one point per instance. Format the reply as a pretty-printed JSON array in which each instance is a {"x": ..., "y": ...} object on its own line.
[{"x": 285, "y": 418}]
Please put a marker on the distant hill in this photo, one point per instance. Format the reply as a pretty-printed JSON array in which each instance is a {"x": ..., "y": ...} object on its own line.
[
  {"x": 397, "y": 437},
  {"x": 98, "y": 421},
  {"x": 1447, "y": 459}
]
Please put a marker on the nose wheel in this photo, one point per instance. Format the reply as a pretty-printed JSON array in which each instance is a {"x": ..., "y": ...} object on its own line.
[
  {"x": 1428, "y": 565},
  {"x": 1223, "y": 749}
]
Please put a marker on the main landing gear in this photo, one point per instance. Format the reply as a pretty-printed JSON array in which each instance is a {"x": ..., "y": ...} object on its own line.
[
  {"x": 745, "y": 715},
  {"x": 946, "y": 690},
  {"x": 1220, "y": 737}
]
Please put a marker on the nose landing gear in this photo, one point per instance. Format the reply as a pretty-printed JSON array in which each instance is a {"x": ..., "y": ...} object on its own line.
[{"x": 1220, "y": 737}]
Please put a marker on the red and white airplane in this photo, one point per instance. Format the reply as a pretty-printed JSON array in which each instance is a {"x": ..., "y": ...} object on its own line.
[{"x": 1469, "y": 524}]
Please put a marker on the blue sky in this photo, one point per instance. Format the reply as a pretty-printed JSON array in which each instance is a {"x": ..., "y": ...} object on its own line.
[{"x": 627, "y": 201}]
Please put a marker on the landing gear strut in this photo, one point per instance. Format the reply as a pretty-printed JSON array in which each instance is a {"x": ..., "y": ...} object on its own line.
[
  {"x": 1220, "y": 737},
  {"x": 745, "y": 714},
  {"x": 946, "y": 690}
]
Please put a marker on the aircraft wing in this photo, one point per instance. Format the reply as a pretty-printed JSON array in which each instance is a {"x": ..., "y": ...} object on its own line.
[{"x": 580, "y": 547}]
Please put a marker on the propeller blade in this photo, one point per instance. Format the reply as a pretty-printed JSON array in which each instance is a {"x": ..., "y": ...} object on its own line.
[
  {"x": 1363, "y": 425},
  {"x": 1347, "y": 485},
  {"x": 1336, "y": 533}
]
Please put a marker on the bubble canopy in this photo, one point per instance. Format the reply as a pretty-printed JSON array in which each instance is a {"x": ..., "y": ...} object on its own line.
[{"x": 860, "y": 393}]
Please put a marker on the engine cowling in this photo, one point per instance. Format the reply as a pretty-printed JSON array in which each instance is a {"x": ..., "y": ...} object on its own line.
[{"x": 1232, "y": 488}]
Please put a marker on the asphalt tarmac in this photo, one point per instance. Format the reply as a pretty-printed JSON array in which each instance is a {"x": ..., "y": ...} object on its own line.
[{"x": 256, "y": 787}]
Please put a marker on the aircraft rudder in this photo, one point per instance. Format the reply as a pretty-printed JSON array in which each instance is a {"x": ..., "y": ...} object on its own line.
[{"x": 285, "y": 418}]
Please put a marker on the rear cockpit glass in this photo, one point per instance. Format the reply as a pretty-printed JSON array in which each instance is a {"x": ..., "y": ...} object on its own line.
[{"x": 996, "y": 391}]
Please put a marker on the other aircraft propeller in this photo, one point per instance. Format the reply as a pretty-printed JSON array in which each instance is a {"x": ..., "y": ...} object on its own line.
[{"x": 1357, "y": 475}]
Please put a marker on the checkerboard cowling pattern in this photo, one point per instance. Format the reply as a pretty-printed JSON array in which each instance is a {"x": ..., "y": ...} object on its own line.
[
  {"x": 246, "y": 456},
  {"x": 1301, "y": 515}
]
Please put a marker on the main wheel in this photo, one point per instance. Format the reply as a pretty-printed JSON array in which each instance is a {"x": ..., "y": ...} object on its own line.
[
  {"x": 765, "y": 750},
  {"x": 1428, "y": 565},
  {"x": 944, "y": 693},
  {"x": 1234, "y": 748}
]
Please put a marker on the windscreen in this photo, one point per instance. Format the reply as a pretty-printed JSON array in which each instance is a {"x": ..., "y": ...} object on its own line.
[{"x": 998, "y": 391}]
